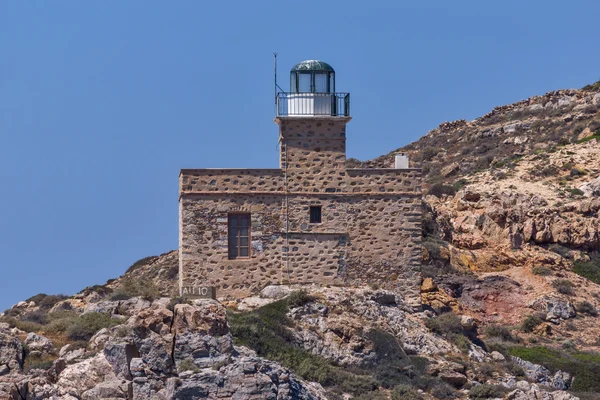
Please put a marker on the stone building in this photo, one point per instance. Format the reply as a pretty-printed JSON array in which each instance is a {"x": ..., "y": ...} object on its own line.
[{"x": 310, "y": 221}]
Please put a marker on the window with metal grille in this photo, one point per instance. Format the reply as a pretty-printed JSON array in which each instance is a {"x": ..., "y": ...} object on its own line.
[
  {"x": 315, "y": 214},
  {"x": 238, "y": 226}
]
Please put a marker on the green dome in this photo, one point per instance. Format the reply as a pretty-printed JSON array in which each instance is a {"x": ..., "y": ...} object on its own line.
[{"x": 312, "y": 65}]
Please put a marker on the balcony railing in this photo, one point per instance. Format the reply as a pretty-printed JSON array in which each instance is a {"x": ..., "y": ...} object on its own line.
[{"x": 313, "y": 104}]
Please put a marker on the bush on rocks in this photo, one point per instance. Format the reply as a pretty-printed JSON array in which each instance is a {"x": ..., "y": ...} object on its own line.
[
  {"x": 588, "y": 269},
  {"x": 541, "y": 271},
  {"x": 133, "y": 288},
  {"x": 500, "y": 332},
  {"x": 585, "y": 307},
  {"x": 564, "y": 286},
  {"x": 531, "y": 322},
  {"x": 405, "y": 392},
  {"x": 86, "y": 325},
  {"x": 486, "y": 391},
  {"x": 440, "y": 189}
]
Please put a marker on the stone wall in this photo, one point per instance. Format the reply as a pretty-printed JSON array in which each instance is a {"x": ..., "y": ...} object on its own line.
[
  {"x": 231, "y": 180},
  {"x": 203, "y": 243},
  {"x": 369, "y": 234}
]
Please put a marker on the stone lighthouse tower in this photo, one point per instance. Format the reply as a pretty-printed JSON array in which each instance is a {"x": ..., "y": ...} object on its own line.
[
  {"x": 312, "y": 120},
  {"x": 312, "y": 221}
]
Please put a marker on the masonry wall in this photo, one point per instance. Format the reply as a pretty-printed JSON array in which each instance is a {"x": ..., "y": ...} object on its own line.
[{"x": 370, "y": 230}]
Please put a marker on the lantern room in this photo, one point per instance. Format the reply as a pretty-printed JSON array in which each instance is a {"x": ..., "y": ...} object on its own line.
[
  {"x": 312, "y": 76},
  {"x": 312, "y": 92}
]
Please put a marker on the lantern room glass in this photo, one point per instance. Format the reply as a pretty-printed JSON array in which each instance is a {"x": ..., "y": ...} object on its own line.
[
  {"x": 304, "y": 82},
  {"x": 312, "y": 82}
]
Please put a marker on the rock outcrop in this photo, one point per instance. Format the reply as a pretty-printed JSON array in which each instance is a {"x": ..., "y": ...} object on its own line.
[{"x": 187, "y": 353}]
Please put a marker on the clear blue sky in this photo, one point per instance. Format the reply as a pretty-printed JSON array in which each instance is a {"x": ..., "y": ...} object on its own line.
[{"x": 101, "y": 103}]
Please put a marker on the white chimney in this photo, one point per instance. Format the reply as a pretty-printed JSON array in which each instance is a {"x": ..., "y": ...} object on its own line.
[{"x": 401, "y": 161}]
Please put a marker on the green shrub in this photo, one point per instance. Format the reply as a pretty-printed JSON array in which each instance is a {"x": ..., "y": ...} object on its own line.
[
  {"x": 541, "y": 270},
  {"x": 577, "y": 172},
  {"x": 434, "y": 247},
  {"x": 588, "y": 269},
  {"x": 102, "y": 290},
  {"x": 36, "y": 298},
  {"x": 140, "y": 263},
  {"x": 585, "y": 307},
  {"x": 39, "y": 317},
  {"x": 134, "y": 288},
  {"x": 187, "y": 365},
  {"x": 61, "y": 321},
  {"x": 531, "y": 322},
  {"x": 587, "y": 139},
  {"x": 444, "y": 324},
  {"x": 12, "y": 312},
  {"x": 460, "y": 341},
  {"x": 500, "y": 332},
  {"x": 440, "y": 189},
  {"x": 177, "y": 300},
  {"x": 88, "y": 324},
  {"x": 459, "y": 184},
  {"x": 45, "y": 362},
  {"x": 80, "y": 344},
  {"x": 299, "y": 298},
  {"x": 26, "y": 326},
  {"x": 576, "y": 192},
  {"x": 485, "y": 391},
  {"x": 449, "y": 326},
  {"x": 515, "y": 369},
  {"x": 405, "y": 392},
  {"x": 564, "y": 286},
  {"x": 591, "y": 88},
  {"x": 49, "y": 301}
]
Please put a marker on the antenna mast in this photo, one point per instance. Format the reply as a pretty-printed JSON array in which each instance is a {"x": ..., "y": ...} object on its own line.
[{"x": 275, "y": 87}]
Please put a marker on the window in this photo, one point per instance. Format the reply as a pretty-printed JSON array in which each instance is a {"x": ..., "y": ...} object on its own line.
[
  {"x": 304, "y": 82},
  {"x": 321, "y": 83},
  {"x": 315, "y": 214},
  {"x": 238, "y": 226}
]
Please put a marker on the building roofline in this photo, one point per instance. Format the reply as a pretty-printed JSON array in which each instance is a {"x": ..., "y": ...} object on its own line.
[{"x": 195, "y": 170}]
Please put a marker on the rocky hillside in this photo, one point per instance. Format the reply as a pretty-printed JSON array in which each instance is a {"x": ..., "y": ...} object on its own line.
[{"x": 511, "y": 274}]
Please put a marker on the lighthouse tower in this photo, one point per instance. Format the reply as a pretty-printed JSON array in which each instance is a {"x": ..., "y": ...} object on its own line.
[{"x": 312, "y": 120}]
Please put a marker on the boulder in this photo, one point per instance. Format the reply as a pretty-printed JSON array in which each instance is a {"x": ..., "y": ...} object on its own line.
[
  {"x": 110, "y": 389},
  {"x": 119, "y": 355},
  {"x": 11, "y": 352},
  {"x": 275, "y": 292},
  {"x": 497, "y": 356},
  {"x": 468, "y": 323},
  {"x": 540, "y": 374},
  {"x": 205, "y": 317},
  {"x": 69, "y": 353},
  {"x": 453, "y": 378},
  {"x": 201, "y": 334},
  {"x": 245, "y": 379},
  {"x": 120, "y": 307},
  {"x": 39, "y": 343},
  {"x": 591, "y": 188},
  {"x": 534, "y": 393},
  {"x": 556, "y": 308},
  {"x": 78, "y": 378},
  {"x": 477, "y": 353}
]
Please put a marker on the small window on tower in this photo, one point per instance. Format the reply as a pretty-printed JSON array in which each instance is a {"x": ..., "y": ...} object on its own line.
[{"x": 315, "y": 214}]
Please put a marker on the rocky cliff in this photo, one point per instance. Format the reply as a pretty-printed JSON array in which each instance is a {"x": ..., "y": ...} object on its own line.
[{"x": 510, "y": 294}]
